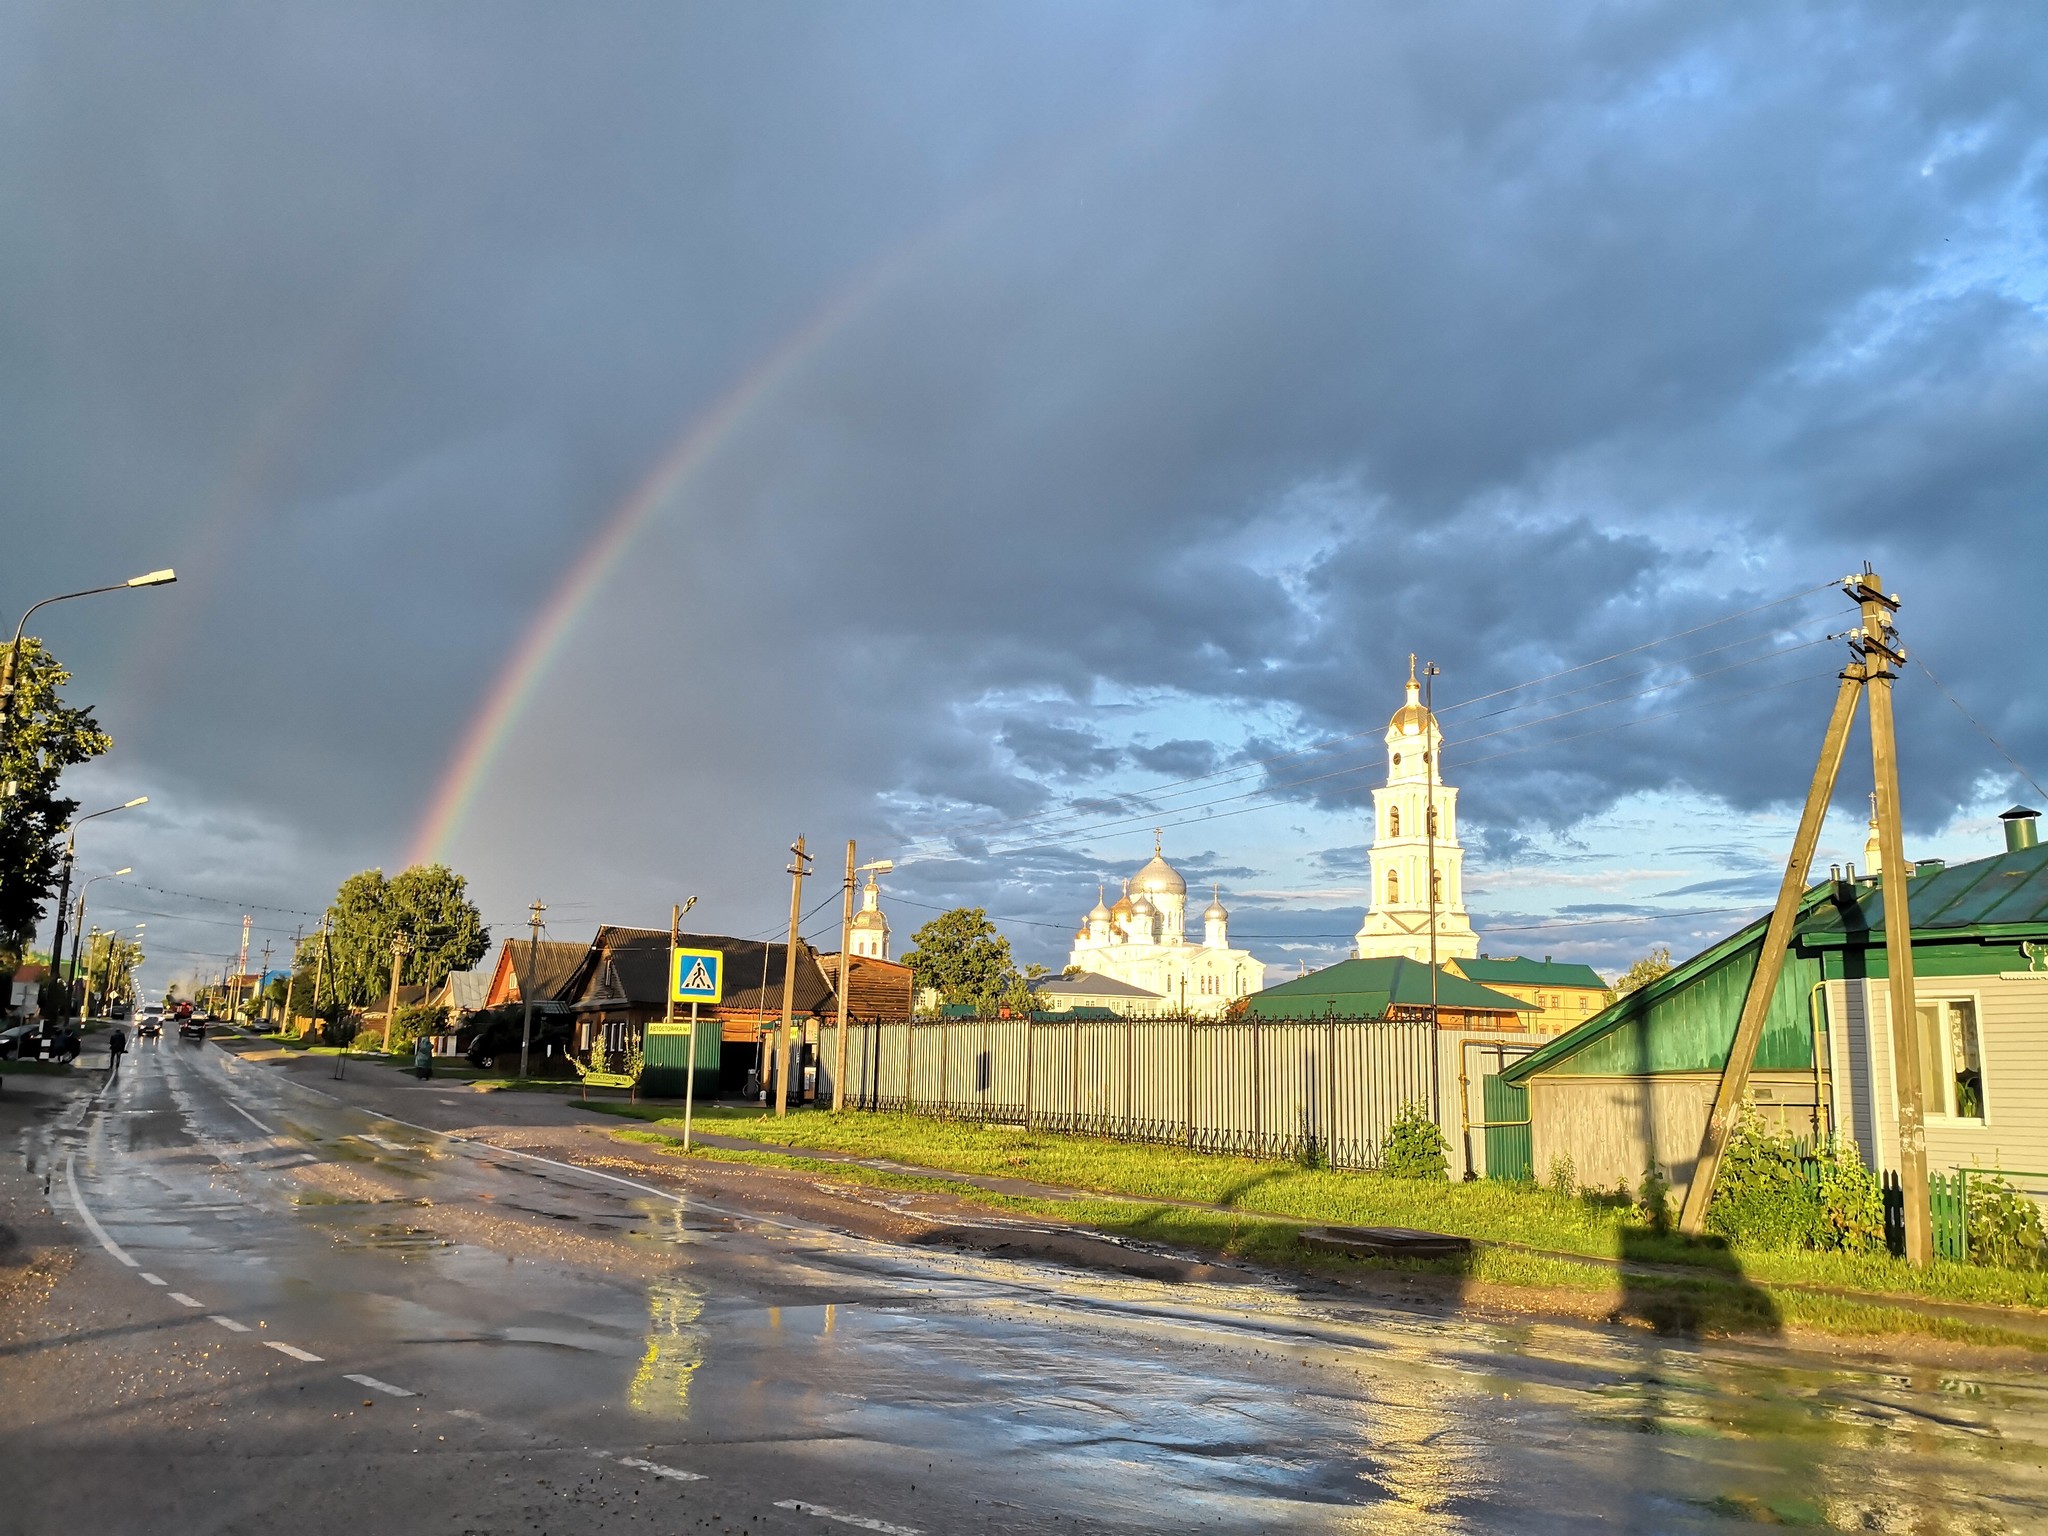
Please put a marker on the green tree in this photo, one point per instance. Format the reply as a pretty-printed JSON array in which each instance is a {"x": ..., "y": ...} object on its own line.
[
  {"x": 45, "y": 737},
  {"x": 960, "y": 955},
  {"x": 1646, "y": 970},
  {"x": 109, "y": 967},
  {"x": 428, "y": 903}
]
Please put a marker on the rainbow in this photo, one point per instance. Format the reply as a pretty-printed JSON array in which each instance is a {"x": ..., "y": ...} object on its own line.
[{"x": 700, "y": 440}]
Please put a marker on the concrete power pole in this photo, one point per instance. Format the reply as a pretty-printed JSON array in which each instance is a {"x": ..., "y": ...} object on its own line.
[
  {"x": 290, "y": 977},
  {"x": 261, "y": 975},
  {"x": 527, "y": 984},
  {"x": 797, "y": 871},
  {"x": 845, "y": 944}
]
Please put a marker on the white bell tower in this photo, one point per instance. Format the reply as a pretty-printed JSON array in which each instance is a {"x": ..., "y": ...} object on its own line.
[{"x": 1407, "y": 849}]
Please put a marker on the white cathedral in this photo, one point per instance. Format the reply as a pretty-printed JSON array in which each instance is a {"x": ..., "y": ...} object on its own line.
[
  {"x": 1142, "y": 941},
  {"x": 1415, "y": 837}
]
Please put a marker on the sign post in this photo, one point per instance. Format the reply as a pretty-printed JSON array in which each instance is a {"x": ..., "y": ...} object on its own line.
[{"x": 696, "y": 977}]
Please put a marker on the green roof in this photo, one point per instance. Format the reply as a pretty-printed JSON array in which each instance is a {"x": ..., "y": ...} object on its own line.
[
  {"x": 1517, "y": 971},
  {"x": 1366, "y": 989},
  {"x": 1685, "y": 1020}
]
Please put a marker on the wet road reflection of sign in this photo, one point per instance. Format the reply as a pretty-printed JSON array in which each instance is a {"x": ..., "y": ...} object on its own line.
[{"x": 697, "y": 976}]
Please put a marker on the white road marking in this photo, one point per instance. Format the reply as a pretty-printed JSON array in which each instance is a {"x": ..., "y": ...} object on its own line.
[
  {"x": 380, "y": 1142},
  {"x": 185, "y": 1301},
  {"x": 860, "y": 1521},
  {"x": 379, "y": 1386},
  {"x": 294, "y": 1351},
  {"x": 91, "y": 1223},
  {"x": 673, "y": 1474},
  {"x": 229, "y": 1323},
  {"x": 248, "y": 1117},
  {"x": 154, "y": 1279}
]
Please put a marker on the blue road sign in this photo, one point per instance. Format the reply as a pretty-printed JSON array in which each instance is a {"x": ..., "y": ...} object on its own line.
[{"x": 698, "y": 976}]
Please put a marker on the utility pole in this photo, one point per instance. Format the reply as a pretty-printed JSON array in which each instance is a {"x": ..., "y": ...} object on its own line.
[
  {"x": 261, "y": 975},
  {"x": 797, "y": 870},
  {"x": 1882, "y": 656},
  {"x": 242, "y": 969},
  {"x": 319, "y": 968},
  {"x": 399, "y": 948},
  {"x": 291, "y": 977},
  {"x": 845, "y": 944},
  {"x": 63, "y": 910},
  {"x": 527, "y": 983},
  {"x": 1875, "y": 654}
]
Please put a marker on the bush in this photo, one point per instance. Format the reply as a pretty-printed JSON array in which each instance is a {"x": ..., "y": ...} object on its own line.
[
  {"x": 1414, "y": 1148},
  {"x": 340, "y": 1031},
  {"x": 1774, "y": 1195},
  {"x": 1564, "y": 1176},
  {"x": 410, "y": 1022},
  {"x": 2004, "y": 1225},
  {"x": 1653, "y": 1199}
]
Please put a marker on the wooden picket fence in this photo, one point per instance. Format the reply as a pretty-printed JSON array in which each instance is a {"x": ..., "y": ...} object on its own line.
[{"x": 1326, "y": 1089}]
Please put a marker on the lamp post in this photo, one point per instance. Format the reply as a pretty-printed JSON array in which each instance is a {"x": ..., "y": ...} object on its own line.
[
  {"x": 64, "y": 889},
  {"x": 78, "y": 933},
  {"x": 11, "y": 665}
]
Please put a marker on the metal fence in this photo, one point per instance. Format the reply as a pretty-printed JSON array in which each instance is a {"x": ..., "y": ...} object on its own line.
[{"x": 1324, "y": 1087}]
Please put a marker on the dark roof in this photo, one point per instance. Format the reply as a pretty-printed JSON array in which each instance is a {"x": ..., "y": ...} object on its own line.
[
  {"x": 2002, "y": 897},
  {"x": 629, "y": 967},
  {"x": 1092, "y": 984},
  {"x": 552, "y": 962},
  {"x": 1366, "y": 989},
  {"x": 875, "y": 989},
  {"x": 1519, "y": 971}
]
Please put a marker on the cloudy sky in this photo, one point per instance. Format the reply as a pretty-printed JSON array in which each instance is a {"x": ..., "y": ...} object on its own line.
[{"x": 599, "y": 444}]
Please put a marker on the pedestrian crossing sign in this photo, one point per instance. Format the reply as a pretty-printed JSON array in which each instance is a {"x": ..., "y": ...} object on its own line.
[{"x": 698, "y": 976}]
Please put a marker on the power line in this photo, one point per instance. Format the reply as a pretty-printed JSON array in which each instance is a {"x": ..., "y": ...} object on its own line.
[
  {"x": 1920, "y": 656},
  {"x": 251, "y": 906}
]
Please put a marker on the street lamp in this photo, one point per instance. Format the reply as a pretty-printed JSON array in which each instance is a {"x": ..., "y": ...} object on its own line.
[
  {"x": 78, "y": 934},
  {"x": 12, "y": 663},
  {"x": 64, "y": 889}
]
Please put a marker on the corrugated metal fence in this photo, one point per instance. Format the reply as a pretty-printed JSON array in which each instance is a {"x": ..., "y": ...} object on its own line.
[{"x": 1266, "y": 1089}]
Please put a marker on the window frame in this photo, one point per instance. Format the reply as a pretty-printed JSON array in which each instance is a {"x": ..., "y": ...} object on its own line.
[{"x": 1940, "y": 1000}]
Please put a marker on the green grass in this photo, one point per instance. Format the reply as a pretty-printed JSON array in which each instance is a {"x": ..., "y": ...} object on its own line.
[
  {"x": 1713, "y": 1302},
  {"x": 1493, "y": 1213}
]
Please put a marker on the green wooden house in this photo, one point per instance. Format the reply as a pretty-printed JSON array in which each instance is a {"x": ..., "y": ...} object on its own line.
[{"x": 1633, "y": 1085}]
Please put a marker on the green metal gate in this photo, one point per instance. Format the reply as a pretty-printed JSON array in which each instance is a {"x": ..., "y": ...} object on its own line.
[
  {"x": 665, "y": 1056},
  {"x": 1508, "y": 1153}
]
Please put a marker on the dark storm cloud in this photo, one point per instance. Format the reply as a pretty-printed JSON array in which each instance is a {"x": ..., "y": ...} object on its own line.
[{"x": 1201, "y": 359}]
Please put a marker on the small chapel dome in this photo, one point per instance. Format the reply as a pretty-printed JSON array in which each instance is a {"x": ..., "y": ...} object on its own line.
[
  {"x": 1214, "y": 913},
  {"x": 1411, "y": 719},
  {"x": 1122, "y": 909},
  {"x": 869, "y": 918},
  {"x": 1141, "y": 906},
  {"x": 1100, "y": 913}
]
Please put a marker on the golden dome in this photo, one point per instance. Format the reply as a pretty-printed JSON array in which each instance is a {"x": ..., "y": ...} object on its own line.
[
  {"x": 869, "y": 918},
  {"x": 1411, "y": 719},
  {"x": 1159, "y": 878}
]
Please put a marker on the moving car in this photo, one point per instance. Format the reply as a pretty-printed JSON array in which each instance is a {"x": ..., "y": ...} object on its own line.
[
  {"x": 149, "y": 1025},
  {"x": 192, "y": 1027}
]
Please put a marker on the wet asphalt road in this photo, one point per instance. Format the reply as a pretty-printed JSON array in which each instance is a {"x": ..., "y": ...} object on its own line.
[{"x": 287, "y": 1312}]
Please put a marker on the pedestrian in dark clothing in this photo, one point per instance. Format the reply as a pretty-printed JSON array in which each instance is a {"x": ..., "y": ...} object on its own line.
[
  {"x": 423, "y": 1058},
  {"x": 117, "y": 1043}
]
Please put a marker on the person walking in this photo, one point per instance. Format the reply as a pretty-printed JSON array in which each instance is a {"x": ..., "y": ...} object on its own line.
[
  {"x": 117, "y": 1043},
  {"x": 423, "y": 1058}
]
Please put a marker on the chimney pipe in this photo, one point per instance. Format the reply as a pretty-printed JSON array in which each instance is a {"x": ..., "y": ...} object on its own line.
[{"x": 2019, "y": 828}]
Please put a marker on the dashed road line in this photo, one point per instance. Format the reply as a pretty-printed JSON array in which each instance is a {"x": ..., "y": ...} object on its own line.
[
  {"x": 154, "y": 1279},
  {"x": 379, "y": 1386},
  {"x": 186, "y": 1301},
  {"x": 861, "y": 1522},
  {"x": 673, "y": 1474},
  {"x": 229, "y": 1323},
  {"x": 92, "y": 1222},
  {"x": 294, "y": 1351},
  {"x": 231, "y": 1104}
]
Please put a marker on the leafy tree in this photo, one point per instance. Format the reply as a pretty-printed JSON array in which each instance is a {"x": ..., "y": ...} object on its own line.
[
  {"x": 1646, "y": 970},
  {"x": 412, "y": 1021},
  {"x": 45, "y": 737},
  {"x": 428, "y": 903},
  {"x": 108, "y": 967},
  {"x": 961, "y": 956}
]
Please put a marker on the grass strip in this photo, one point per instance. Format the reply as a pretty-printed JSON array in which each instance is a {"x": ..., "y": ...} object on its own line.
[
  {"x": 1487, "y": 1211},
  {"x": 1708, "y": 1303}
]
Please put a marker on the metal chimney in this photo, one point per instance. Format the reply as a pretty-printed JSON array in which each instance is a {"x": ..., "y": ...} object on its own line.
[{"x": 2019, "y": 828}]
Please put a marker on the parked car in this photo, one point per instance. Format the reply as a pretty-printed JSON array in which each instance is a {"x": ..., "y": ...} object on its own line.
[
  {"x": 40, "y": 1040},
  {"x": 192, "y": 1027}
]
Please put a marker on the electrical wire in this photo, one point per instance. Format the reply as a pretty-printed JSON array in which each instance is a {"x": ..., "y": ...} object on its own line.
[{"x": 1920, "y": 656}]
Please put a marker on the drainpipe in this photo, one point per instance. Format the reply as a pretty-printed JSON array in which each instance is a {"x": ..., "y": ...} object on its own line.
[{"x": 1823, "y": 1077}]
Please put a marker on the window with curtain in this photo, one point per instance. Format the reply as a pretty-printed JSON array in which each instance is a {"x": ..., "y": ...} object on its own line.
[{"x": 1952, "y": 1058}]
